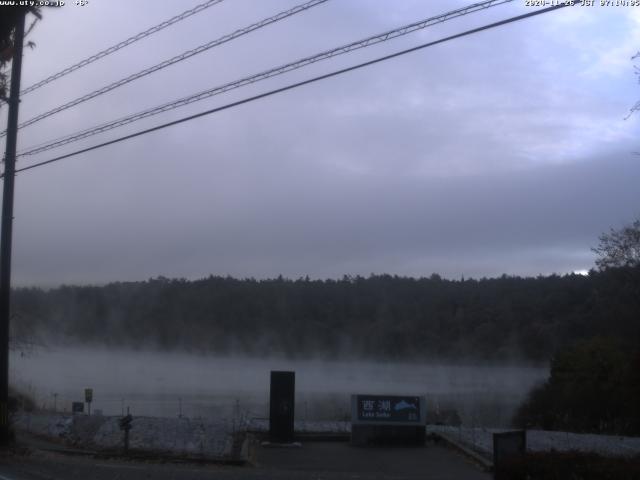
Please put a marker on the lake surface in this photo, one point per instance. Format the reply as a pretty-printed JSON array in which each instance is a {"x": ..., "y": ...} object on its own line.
[{"x": 170, "y": 384}]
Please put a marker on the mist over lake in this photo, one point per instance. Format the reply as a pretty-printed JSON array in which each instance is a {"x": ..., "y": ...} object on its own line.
[{"x": 169, "y": 384}]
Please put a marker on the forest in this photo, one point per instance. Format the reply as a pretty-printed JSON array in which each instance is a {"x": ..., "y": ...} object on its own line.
[{"x": 381, "y": 316}]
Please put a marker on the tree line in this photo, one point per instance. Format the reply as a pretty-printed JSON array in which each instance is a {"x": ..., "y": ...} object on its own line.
[
  {"x": 593, "y": 386},
  {"x": 382, "y": 316}
]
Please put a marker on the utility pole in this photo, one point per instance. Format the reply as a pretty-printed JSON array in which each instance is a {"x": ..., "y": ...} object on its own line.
[{"x": 7, "y": 228}]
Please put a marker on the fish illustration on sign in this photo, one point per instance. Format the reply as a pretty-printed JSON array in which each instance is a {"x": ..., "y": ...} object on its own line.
[{"x": 404, "y": 405}]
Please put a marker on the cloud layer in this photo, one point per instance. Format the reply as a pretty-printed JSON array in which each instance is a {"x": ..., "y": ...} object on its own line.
[{"x": 504, "y": 152}]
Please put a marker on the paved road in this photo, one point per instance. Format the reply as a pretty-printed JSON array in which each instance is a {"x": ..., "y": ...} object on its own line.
[
  {"x": 341, "y": 459},
  {"x": 315, "y": 460}
]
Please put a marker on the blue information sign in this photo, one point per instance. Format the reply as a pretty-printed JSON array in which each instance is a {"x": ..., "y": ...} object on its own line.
[{"x": 389, "y": 408}]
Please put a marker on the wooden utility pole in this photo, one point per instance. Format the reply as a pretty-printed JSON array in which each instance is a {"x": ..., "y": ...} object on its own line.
[{"x": 7, "y": 228}]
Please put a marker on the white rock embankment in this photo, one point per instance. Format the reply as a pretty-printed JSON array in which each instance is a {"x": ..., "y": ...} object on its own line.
[
  {"x": 481, "y": 440},
  {"x": 202, "y": 438}
]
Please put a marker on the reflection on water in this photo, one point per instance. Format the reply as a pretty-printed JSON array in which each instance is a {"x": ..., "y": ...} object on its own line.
[{"x": 170, "y": 384}]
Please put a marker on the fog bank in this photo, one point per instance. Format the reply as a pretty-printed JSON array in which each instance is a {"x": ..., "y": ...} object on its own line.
[{"x": 169, "y": 384}]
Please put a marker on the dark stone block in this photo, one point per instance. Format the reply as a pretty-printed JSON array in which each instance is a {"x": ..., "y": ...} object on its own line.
[
  {"x": 281, "y": 406},
  {"x": 507, "y": 446}
]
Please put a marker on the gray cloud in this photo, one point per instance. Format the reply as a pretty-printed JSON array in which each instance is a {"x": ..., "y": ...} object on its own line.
[{"x": 479, "y": 157}]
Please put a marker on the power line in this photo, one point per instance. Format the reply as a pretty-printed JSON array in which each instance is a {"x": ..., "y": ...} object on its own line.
[
  {"x": 382, "y": 37},
  {"x": 124, "y": 43},
  {"x": 178, "y": 58},
  {"x": 296, "y": 85}
]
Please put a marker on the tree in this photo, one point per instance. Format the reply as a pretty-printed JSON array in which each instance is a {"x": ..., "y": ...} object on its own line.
[
  {"x": 593, "y": 387},
  {"x": 636, "y": 107},
  {"x": 9, "y": 17},
  {"x": 619, "y": 248}
]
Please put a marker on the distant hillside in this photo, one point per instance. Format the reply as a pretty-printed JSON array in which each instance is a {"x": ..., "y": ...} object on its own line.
[{"x": 506, "y": 318}]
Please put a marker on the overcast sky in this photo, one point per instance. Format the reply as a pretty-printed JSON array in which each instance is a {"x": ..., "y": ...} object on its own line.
[{"x": 503, "y": 152}]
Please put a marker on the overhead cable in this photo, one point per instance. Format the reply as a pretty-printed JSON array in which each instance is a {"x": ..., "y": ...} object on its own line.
[
  {"x": 366, "y": 42},
  {"x": 121, "y": 45},
  {"x": 296, "y": 85},
  {"x": 178, "y": 58}
]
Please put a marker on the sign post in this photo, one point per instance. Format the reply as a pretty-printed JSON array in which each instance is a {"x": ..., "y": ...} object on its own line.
[
  {"x": 125, "y": 426},
  {"x": 88, "y": 398}
]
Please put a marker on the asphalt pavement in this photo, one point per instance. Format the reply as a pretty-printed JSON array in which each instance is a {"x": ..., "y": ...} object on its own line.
[{"x": 313, "y": 460}]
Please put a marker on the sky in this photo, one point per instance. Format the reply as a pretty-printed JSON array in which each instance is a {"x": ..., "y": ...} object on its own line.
[{"x": 503, "y": 152}]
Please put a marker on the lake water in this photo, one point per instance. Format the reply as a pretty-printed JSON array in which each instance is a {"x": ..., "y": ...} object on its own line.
[{"x": 170, "y": 384}]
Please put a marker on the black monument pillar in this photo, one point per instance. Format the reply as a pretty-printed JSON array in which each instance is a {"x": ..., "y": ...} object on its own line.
[{"x": 281, "y": 406}]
